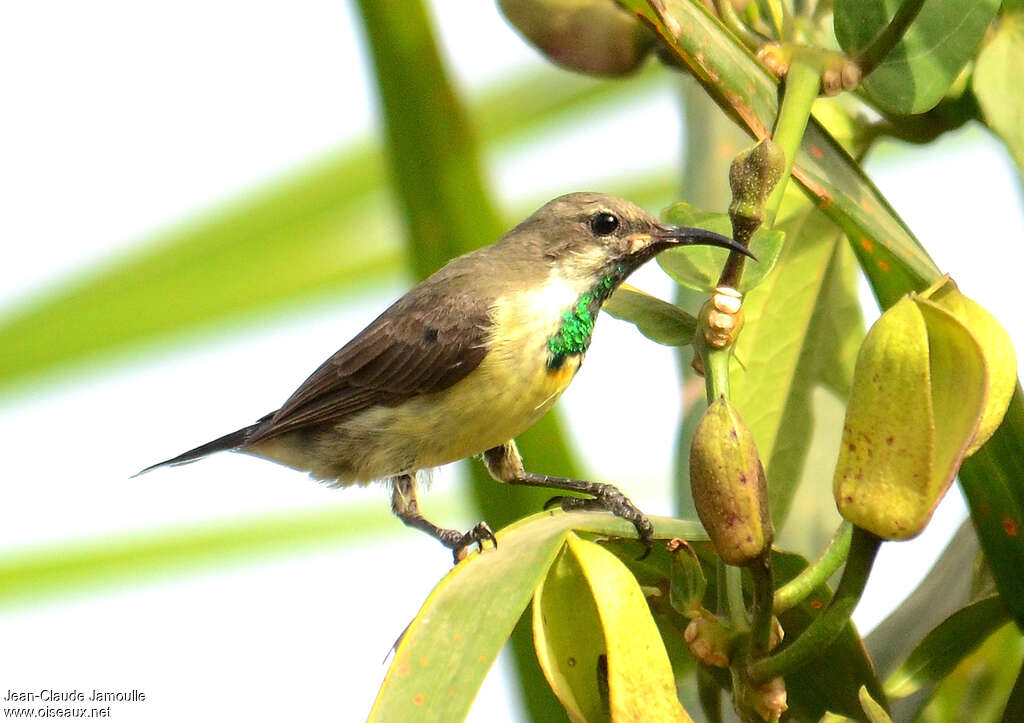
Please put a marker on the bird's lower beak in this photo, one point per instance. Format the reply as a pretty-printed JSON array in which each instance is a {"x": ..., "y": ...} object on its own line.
[{"x": 667, "y": 236}]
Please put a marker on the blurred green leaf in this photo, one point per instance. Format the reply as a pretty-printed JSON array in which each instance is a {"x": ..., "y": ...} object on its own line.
[
  {"x": 916, "y": 74},
  {"x": 945, "y": 646},
  {"x": 698, "y": 267},
  {"x": 658, "y": 320},
  {"x": 996, "y": 84},
  {"x": 872, "y": 709},
  {"x": 28, "y": 576},
  {"x": 978, "y": 689},
  {"x": 1014, "y": 710},
  {"x": 944, "y": 590},
  {"x": 293, "y": 241}
]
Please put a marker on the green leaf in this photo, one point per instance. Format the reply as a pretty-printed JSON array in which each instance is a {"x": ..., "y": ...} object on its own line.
[
  {"x": 451, "y": 643},
  {"x": 991, "y": 482},
  {"x": 978, "y": 688},
  {"x": 996, "y": 84},
  {"x": 569, "y": 642},
  {"x": 943, "y": 591},
  {"x": 446, "y": 650},
  {"x": 597, "y": 642},
  {"x": 944, "y": 647},
  {"x": 698, "y": 267},
  {"x": 916, "y": 74},
  {"x": 802, "y": 329},
  {"x": 658, "y": 320}
]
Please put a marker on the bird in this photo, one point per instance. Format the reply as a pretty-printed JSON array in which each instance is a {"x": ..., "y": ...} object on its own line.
[{"x": 465, "y": 362}]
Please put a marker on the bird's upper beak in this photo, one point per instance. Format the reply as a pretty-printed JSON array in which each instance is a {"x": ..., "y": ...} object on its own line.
[{"x": 665, "y": 236}]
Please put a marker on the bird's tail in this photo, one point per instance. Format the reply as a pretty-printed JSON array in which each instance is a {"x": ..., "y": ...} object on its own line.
[{"x": 229, "y": 441}]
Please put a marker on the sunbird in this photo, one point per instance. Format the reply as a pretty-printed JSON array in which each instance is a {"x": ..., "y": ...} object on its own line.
[{"x": 466, "y": 361}]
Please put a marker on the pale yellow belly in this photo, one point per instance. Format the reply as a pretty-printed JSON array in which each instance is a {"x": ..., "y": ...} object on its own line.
[{"x": 507, "y": 393}]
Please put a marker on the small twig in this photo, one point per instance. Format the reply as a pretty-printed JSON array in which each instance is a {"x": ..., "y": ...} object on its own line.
[
  {"x": 796, "y": 590},
  {"x": 888, "y": 37}
]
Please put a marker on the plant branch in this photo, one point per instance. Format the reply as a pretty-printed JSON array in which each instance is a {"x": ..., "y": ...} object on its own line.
[
  {"x": 827, "y": 626},
  {"x": 802, "y": 84},
  {"x": 871, "y": 57},
  {"x": 796, "y": 590}
]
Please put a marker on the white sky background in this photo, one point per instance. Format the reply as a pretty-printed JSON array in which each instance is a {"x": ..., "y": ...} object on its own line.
[{"x": 122, "y": 117}]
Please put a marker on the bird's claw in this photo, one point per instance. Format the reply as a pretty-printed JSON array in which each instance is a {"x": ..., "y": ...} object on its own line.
[
  {"x": 460, "y": 543},
  {"x": 609, "y": 499}
]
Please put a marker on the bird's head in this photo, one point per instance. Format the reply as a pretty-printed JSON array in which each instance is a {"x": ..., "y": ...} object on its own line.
[{"x": 593, "y": 236}]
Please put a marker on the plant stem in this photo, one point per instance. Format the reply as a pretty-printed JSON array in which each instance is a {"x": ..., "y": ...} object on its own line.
[
  {"x": 764, "y": 589},
  {"x": 870, "y": 57},
  {"x": 827, "y": 626},
  {"x": 716, "y": 371},
  {"x": 803, "y": 81},
  {"x": 727, "y": 14},
  {"x": 796, "y": 590},
  {"x": 734, "y": 597}
]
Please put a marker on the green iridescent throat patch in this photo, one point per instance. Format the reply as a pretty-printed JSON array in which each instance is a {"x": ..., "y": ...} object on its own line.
[{"x": 573, "y": 336}]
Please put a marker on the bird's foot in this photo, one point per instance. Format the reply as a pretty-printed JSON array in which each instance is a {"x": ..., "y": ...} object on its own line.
[
  {"x": 609, "y": 498},
  {"x": 460, "y": 542}
]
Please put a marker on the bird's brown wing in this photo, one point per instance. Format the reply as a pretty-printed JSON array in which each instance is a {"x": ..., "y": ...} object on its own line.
[{"x": 425, "y": 342}]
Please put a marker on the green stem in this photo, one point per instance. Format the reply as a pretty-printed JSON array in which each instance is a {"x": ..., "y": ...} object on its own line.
[
  {"x": 796, "y": 590},
  {"x": 764, "y": 590},
  {"x": 716, "y": 372},
  {"x": 727, "y": 13},
  {"x": 734, "y": 598},
  {"x": 870, "y": 57},
  {"x": 803, "y": 81},
  {"x": 827, "y": 626}
]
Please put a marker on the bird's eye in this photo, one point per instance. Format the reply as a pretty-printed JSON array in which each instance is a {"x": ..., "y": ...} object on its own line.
[{"x": 603, "y": 224}]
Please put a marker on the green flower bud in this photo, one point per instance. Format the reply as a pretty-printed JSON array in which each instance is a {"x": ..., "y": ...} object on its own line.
[
  {"x": 752, "y": 176},
  {"x": 728, "y": 485},
  {"x": 919, "y": 393},
  {"x": 686, "y": 579},
  {"x": 591, "y": 36}
]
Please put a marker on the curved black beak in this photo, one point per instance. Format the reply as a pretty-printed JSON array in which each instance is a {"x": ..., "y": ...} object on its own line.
[{"x": 688, "y": 236}]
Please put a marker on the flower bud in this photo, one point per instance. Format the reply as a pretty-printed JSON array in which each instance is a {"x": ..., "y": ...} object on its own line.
[
  {"x": 709, "y": 640},
  {"x": 728, "y": 485},
  {"x": 918, "y": 396},
  {"x": 686, "y": 579},
  {"x": 591, "y": 36}
]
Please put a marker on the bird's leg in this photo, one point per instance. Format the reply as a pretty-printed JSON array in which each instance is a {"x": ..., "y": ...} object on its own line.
[
  {"x": 407, "y": 509},
  {"x": 505, "y": 465}
]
